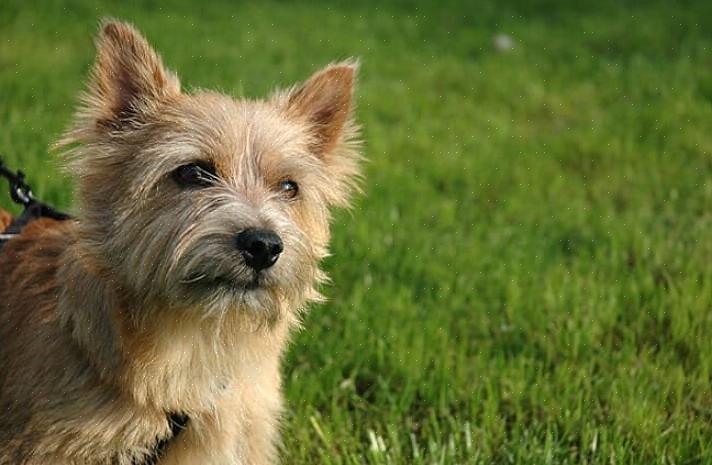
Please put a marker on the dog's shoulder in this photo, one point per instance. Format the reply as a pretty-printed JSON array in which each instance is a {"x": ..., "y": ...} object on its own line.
[{"x": 29, "y": 262}]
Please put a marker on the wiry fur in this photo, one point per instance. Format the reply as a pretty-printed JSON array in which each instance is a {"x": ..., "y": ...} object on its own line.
[{"x": 139, "y": 307}]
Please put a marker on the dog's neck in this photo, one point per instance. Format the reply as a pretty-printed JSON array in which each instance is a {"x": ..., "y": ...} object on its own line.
[{"x": 175, "y": 363}]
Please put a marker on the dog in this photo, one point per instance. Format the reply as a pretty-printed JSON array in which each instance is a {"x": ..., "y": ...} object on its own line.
[{"x": 149, "y": 328}]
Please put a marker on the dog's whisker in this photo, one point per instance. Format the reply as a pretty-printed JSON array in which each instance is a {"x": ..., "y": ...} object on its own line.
[{"x": 194, "y": 278}]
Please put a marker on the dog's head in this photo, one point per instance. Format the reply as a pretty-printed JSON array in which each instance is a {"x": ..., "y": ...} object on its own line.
[{"x": 204, "y": 201}]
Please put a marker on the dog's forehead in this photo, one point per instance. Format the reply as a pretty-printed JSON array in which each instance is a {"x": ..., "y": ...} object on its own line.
[{"x": 228, "y": 130}]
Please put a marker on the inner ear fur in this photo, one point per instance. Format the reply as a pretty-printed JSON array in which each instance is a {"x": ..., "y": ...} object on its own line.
[
  {"x": 128, "y": 75},
  {"x": 324, "y": 101}
]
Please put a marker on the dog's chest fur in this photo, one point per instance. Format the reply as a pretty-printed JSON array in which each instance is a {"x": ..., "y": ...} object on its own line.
[{"x": 186, "y": 365}]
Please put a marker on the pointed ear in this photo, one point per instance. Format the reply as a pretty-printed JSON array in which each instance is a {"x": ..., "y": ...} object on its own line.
[
  {"x": 128, "y": 76},
  {"x": 324, "y": 103}
]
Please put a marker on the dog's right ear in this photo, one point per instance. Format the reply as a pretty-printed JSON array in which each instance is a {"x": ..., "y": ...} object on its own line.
[{"x": 127, "y": 80}]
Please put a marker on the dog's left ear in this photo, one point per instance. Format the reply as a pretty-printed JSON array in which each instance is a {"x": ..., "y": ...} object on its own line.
[
  {"x": 128, "y": 77},
  {"x": 324, "y": 102}
]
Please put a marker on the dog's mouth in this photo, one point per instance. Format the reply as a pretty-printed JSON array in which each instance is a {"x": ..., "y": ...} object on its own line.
[
  {"x": 226, "y": 282},
  {"x": 220, "y": 293}
]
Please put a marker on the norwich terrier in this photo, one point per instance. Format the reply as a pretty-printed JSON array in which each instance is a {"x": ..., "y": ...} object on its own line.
[{"x": 149, "y": 329}]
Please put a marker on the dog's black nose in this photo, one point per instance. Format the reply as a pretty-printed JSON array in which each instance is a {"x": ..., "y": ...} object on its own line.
[{"x": 259, "y": 247}]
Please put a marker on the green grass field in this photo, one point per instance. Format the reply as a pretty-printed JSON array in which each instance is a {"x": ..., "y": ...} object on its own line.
[{"x": 528, "y": 278}]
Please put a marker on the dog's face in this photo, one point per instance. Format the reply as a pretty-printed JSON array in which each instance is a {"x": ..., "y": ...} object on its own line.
[{"x": 200, "y": 201}]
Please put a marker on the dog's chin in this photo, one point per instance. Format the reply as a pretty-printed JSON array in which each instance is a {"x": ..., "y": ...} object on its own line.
[
  {"x": 221, "y": 294},
  {"x": 239, "y": 286}
]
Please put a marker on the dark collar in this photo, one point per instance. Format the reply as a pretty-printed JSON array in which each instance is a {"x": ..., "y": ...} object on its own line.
[{"x": 178, "y": 422}]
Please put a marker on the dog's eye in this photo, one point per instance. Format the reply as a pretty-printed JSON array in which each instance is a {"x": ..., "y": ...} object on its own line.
[
  {"x": 194, "y": 175},
  {"x": 288, "y": 189}
]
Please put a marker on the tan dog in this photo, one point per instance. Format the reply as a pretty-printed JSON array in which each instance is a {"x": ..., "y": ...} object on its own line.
[{"x": 201, "y": 221}]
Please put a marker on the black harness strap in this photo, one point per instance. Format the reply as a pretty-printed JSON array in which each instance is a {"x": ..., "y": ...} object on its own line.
[
  {"x": 21, "y": 193},
  {"x": 178, "y": 422}
]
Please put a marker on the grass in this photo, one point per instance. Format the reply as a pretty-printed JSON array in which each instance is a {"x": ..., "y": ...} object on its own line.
[{"x": 529, "y": 277}]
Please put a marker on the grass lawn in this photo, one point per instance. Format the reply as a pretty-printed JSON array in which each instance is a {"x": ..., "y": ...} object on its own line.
[{"x": 528, "y": 278}]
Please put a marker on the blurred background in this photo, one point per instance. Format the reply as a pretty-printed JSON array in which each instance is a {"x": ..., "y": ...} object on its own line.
[{"x": 528, "y": 277}]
